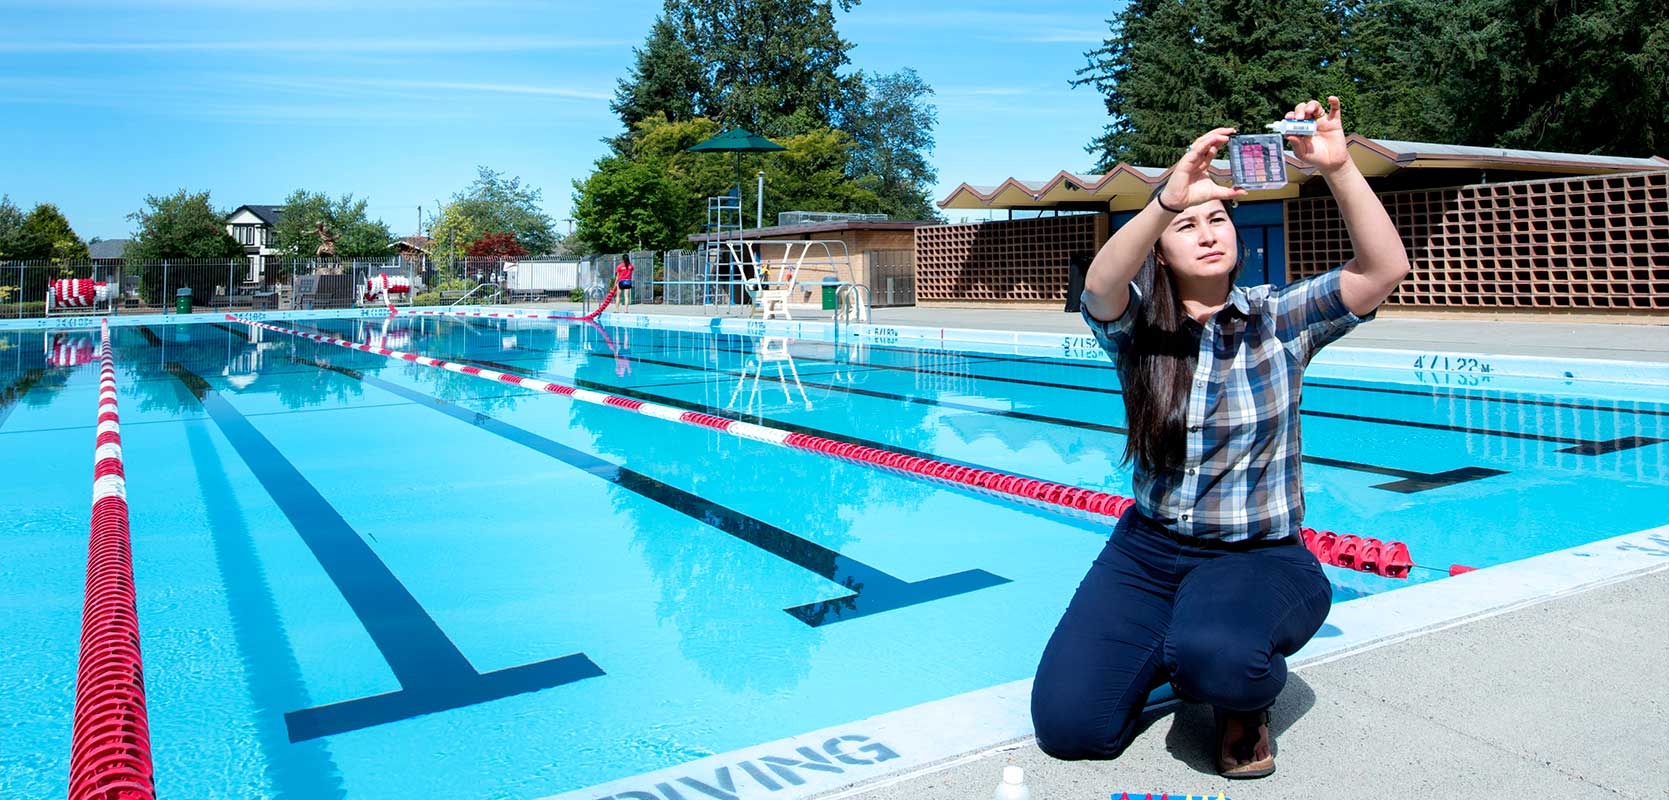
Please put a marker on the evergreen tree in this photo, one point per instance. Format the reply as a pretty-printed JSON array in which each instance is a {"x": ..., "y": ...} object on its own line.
[
  {"x": 1174, "y": 69},
  {"x": 892, "y": 133},
  {"x": 1586, "y": 76},
  {"x": 771, "y": 66},
  {"x": 666, "y": 79},
  {"x": 46, "y": 235},
  {"x": 1392, "y": 79},
  {"x": 11, "y": 221},
  {"x": 1150, "y": 73},
  {"x": 1582, "y": 76}
]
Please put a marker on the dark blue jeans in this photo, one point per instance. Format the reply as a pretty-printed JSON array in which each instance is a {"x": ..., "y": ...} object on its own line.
[{"x": 1217, "y": 622}]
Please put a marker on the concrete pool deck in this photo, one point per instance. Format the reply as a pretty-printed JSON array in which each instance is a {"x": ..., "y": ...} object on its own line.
[
  {"x": 1632, "y": 338},
  {"x": 1562, "y": 699}
]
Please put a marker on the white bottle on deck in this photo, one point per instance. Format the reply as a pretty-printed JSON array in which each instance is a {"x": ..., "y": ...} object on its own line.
[{"x": 1013, "y": 786}]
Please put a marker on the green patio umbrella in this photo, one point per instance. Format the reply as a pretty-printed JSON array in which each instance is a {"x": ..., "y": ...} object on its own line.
[{"x": 738, "y": 141}]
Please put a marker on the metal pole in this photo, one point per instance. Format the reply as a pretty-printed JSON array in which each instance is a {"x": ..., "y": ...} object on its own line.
[{"x": 759, "y": 209}]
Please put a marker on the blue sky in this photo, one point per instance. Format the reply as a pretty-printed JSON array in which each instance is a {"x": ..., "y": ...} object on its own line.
[{"x": 105, "y": 102}]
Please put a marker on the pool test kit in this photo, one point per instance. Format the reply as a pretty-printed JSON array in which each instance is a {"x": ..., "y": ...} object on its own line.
[{"x": 1257, "y": 160}]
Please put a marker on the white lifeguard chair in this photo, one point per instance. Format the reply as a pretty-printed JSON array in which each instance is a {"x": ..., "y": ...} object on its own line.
[
  {"x": 772, "y": 350},
  {"x": 771, "y": 283}
]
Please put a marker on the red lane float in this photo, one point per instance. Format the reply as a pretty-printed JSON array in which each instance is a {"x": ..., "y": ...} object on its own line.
[
  {"x": 77, "y": 293},
  {"x": 608, "y": 298},
  {"x": 110, "y": 750},
  {"x": 1390, "y": 559},
  {"x": 1089, "y": 503}
]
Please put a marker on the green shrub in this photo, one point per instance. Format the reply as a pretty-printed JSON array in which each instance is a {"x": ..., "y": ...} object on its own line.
[
  {"x": 576, "y": 295},
  {"x": 427, "y": 299}
]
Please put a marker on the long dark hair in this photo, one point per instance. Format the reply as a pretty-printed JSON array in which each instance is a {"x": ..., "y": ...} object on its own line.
[{"x": 1157, "y": 367}]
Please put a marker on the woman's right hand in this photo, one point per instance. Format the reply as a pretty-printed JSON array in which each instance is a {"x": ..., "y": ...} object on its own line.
[{"x": 1190, "y": 184}]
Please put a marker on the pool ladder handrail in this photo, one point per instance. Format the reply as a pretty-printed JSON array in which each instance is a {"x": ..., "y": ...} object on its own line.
[
  {"x": 498, "y": 292},
  {"x": 852, "y": 303}
]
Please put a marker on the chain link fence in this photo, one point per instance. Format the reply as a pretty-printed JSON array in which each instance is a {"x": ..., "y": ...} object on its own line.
[
  {"x": 200, "y": 285},
  {"x": 674, "y": 277}
]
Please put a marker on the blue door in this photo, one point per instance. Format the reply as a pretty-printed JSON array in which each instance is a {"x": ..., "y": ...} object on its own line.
[{"x": 1254, "y": 246}]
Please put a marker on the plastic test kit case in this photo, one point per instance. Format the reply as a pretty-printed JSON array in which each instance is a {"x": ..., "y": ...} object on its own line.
[{"x": 1257, "y": 160}]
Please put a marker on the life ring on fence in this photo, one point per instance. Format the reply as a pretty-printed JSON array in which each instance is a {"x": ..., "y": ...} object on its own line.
[
  {"x": 382, "y": 283},
  {"x": 77, "y": 292}
]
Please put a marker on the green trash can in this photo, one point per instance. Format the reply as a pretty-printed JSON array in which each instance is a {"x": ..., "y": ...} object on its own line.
[
  {"x": 182, "y": 300},
  {"x": 830, "y": 284}
]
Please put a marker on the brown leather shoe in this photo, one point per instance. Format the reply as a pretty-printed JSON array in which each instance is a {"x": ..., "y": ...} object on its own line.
[{"x": 1245, "y": 747}]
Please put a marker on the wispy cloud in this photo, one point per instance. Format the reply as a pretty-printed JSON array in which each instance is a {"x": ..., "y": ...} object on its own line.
[
  {"x": 983, "y": 91},
  {"x": 1072, "y": 36},
  {"x": 353, "y": 87},
  {"x": 386, "y": 44},
  {"x": 297, "y": 99}
]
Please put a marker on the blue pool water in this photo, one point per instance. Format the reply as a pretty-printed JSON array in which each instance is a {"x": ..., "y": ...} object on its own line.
[{"x": 366, "y": 578}]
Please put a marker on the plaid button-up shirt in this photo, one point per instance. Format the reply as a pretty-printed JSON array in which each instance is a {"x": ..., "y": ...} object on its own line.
[{"x": 1240, "y": 478}]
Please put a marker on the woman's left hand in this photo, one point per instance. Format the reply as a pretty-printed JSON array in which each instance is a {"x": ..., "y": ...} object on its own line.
[{"x": 1326, "y": 149}]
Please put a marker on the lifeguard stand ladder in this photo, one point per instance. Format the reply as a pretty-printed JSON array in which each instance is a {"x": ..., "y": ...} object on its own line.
[{"x": 720, "y": 279}]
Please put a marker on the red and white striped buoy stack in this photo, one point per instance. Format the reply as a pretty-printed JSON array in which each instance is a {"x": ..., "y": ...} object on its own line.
[
  {"x": 69, "y": 351},
  {"x": 110, "y": 746},
  {"x": 78, "y": 293},
  {"x": 384, "y": 284}
]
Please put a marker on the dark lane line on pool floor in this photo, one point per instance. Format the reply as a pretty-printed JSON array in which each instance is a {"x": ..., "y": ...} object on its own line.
[
  {"x": 433, "y": 674},
  {"x": 686, "y": 405},
  {"x": 1108, "y": 366},
  {"x": 1409, "y": 481},
  {"x": 274, "y": 676},
  {"x": 1579, "y": 446},
  {"x": 874, "y": 591}
]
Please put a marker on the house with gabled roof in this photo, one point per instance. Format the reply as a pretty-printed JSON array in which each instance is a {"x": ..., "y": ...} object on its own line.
[{"x": 255, "y": 227}]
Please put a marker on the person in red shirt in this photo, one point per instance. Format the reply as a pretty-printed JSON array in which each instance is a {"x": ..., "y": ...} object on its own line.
[{"x": 623, "y": 275}]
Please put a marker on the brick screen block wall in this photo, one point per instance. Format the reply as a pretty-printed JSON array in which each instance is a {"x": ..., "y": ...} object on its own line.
[
  {"x": 1019, "y": 261},
  {"x": 1569, "y": 244}
]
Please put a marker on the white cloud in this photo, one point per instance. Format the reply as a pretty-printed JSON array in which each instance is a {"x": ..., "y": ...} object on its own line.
[
  {"x": 354, "y": 87},
  {"x": 384, "y": 44}
]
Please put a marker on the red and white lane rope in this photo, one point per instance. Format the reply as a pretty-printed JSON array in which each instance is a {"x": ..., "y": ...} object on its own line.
[
  {"x": 110, "y": 750},
  {"x": 615, "y": 288},
  {"x": 1390, "y": 559}
]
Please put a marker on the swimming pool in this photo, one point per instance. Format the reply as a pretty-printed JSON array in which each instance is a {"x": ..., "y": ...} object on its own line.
[{"x": 368, "y": 578}]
